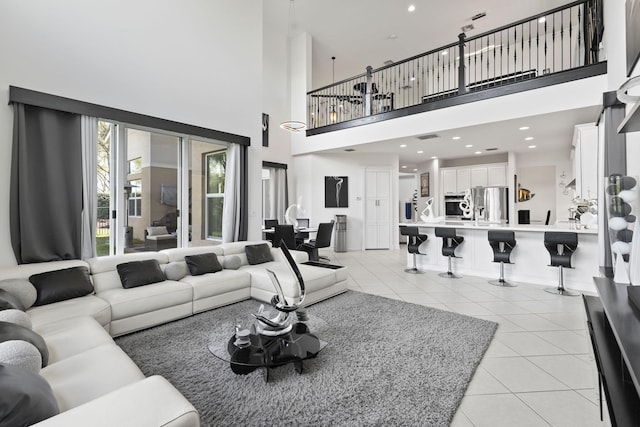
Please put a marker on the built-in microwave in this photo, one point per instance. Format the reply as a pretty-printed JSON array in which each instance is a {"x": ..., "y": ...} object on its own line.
[{"x": 452, "y": 205}]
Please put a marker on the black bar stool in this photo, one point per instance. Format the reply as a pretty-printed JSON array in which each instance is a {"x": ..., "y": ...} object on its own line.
[
  {"x": 561, "y": 246},
  {"x": 415, "y": 239},
  {"x": 450, "y": 241},
  {"x": 502, "y": 242}
]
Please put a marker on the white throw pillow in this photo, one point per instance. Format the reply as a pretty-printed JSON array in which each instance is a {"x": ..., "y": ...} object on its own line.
[
  {"x": 232, "y": 262},
  {"x": 176, "y": 270},
  {"x": 16, "y": 316},
  {"x": 21, "y": 289},
  {"x": 21, "y": 353},
  {"x": 157, "y": 231}
]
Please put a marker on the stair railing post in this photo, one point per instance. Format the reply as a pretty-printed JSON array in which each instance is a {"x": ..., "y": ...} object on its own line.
[
  {"x": 462, "y": 84},
  {"x": 367, "y": 95}
]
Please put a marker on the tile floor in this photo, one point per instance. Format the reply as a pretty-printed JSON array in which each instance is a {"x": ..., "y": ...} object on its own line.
[{"x": 539, "y": 369}]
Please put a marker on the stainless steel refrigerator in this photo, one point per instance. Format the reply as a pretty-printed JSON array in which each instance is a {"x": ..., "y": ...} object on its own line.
[{"x": 491, "y": 204}]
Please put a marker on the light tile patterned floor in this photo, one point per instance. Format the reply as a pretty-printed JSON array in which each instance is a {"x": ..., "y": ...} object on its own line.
[{"x": 539, "y": 369}]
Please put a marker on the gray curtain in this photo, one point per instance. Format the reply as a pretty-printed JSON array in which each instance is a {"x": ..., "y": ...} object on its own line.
[
  {"x": 46, "y": 185},
  {"x": 234, "y": 216}
]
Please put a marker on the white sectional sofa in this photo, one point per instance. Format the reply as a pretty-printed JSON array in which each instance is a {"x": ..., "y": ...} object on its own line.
[{"x": 91, "y": 376}]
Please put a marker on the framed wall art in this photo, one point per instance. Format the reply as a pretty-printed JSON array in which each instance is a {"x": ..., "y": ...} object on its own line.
[
  {"x": 424, "y": 184},
  {"x": 336, "y": 191}
]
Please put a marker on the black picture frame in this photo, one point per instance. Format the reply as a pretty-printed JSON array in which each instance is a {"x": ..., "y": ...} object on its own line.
[
  {"x": 265, "y": 130},
  {"x": 632, "y": 13},
  {"x": 336, "y": 191},
  {"x": 424, "y": 184}
]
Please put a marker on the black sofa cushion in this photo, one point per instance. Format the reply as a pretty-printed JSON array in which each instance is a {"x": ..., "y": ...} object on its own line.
[
  {"x": 139, "y": 273},
  {"x": 9, "y": 301},
  {"x": 60, "y": 285},
  {"x": 203, "y": 264},
  {"x": 26, "y": 397},
  {"x": 258, "y": 254}
]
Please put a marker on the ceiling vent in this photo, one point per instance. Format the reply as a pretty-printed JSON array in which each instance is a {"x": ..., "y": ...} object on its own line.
[
  {"x": 428, "y": 136},
  {"x": 491, "y": 149},
  {"x": 478, "y": 16},
  {"x": 349, "y": 150}
]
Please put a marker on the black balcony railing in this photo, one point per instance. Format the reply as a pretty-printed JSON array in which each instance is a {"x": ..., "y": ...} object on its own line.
[{"x": 561, "y": 39}]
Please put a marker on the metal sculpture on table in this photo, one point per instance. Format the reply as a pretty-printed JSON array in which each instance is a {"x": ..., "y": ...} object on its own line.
[
  {"x": 466, "y": 205},
  {"x": 278, "y": 322}
]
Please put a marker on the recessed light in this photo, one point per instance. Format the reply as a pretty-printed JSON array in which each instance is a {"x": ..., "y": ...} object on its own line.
[
  {"x": 455, "y": 138},
  {"x": 415, "y": 170},
  {"x": 392, "y": 36},
  {"x": 444, "y": 52},
  {"x": 411, "y": 8},
  {"x": 532, "y": 146},
  {"x": 529, "y": 138},
  {"x": 468, "y": 146},
  {"x": 434, "y": 157},
  {"x": 542, "y": 20},
  {"x": 420, "y": 151},
  {"x": 523, "y": 128},
  {"x": 478, "y": 152},
  {"x": 404, "y": 166},
  {"x": 403, "y": 145}
]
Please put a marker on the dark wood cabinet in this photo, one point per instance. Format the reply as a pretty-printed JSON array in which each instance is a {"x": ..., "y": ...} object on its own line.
[{"x": 614, "y": 327}]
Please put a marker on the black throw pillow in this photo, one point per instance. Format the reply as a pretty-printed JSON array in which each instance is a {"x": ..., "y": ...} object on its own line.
[
  {"x": 9, "y": 301},
  {"x": 139, "y": 273},
  {"x": 60, "y": 285},
  {"x": 13, "y": 331},
  {"x": 258, "y": 254},
  {"x": 203, "y": 264},
  {"x": 26, "y": 397}
]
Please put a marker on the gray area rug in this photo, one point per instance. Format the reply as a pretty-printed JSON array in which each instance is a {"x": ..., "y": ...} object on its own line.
[{"x": 387, "y": 363}]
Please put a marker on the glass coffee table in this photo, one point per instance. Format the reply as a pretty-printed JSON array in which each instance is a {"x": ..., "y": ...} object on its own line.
[{"x": 268, "y": 352}]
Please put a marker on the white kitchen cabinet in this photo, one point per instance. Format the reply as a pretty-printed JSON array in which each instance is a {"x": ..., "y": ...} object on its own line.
[
  {"x": 449, "y": 181},
  {"x": 377, "y": 210},
  {"x": 463, "y": 179},
  {"x": 497, "y": 176},
  {"x": 585, "y": 160},
  {"x": 479, "y": 176}
]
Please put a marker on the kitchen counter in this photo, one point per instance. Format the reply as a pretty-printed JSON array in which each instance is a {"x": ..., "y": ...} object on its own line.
[
  {"x": 530, "y": 259},
  {"x": 562, "y": 226}
]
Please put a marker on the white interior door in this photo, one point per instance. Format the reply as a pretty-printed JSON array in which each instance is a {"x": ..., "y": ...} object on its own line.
[{"x": 377, "y": 209}]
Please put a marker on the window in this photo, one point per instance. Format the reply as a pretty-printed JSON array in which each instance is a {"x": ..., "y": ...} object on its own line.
[
  {"x": 135, "y": 165},
  {"x": 215, "y": 167},
  {"x": 135, "y": 198}
]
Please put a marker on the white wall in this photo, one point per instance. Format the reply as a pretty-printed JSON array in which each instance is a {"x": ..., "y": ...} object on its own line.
[
  {"x": 309, "y": 172},
  {"x": 196, "y": 61}
]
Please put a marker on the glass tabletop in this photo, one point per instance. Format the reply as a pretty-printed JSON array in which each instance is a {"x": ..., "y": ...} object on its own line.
[{"x": 300, "y": 343}]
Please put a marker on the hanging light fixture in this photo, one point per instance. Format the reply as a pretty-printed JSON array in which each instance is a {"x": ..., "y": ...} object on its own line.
[
  {"x": 333, "y": 114},
  {"x": 291, "y": 125}
]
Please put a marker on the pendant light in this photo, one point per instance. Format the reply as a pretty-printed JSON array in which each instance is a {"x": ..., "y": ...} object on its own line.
[
  {"x": 333, "y": 114},
  {"x": 291, "y": 125}
]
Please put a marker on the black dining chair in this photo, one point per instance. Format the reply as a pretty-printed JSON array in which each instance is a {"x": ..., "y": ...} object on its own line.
[
  {"x": 322, "y": 240},
  {"x": 270, "y": 223},
  {"x": 284, "y": 232}
]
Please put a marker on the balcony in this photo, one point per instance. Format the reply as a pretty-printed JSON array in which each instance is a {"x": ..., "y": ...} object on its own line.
[{"x": 554, "y": 47}]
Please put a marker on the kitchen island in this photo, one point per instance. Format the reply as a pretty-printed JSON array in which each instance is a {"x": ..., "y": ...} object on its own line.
[{"x": 530, "y": 259}]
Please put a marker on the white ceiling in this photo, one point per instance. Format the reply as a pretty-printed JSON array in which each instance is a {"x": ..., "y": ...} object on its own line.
[{"x": 357, "y": 33}]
